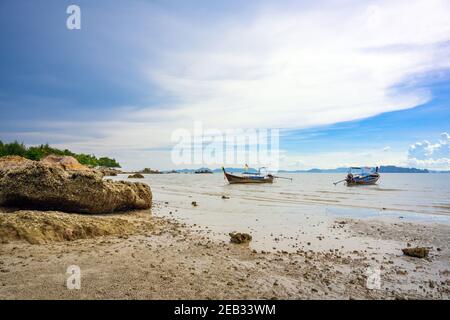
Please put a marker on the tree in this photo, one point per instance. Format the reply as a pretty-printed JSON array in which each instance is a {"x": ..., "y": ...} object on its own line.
[
  {"x": 107, "y": 162},
  {"x": 14, "y": 148},
  {"x": 43, "y": 150}
]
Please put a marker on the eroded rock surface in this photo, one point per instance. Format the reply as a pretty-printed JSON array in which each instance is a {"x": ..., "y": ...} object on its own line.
[
  {"x": 61, "y": 183},
  {"x": 419, "y": 252},
  {"x": 239, "y": 238}
]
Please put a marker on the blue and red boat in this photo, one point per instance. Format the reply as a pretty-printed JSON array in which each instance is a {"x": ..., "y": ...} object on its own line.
[{"x": 362, "y": 176}]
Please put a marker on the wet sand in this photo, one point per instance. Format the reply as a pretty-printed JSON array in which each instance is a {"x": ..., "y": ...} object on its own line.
[{"x": 162, "y": 258}]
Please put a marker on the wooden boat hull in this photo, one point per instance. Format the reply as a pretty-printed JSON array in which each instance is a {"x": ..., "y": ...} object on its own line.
[
  {"x": 363, "y": 180},
  {"x": 232, "y": 179}
]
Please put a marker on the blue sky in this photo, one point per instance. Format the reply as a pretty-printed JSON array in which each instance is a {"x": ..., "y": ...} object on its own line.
[{"x": 347, "y": 82}]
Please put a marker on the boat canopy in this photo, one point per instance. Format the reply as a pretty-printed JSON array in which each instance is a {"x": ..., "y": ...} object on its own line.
[
  {"x": 261, "y": 171},
  {"x": 362, "y": 170}
]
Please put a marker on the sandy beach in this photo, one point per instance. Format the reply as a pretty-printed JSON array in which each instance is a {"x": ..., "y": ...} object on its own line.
[
  {"x": 162, "y": 258},
  {"x": 225, "y": 150}
]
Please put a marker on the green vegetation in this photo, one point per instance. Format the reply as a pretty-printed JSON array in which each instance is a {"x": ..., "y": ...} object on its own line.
[{"x": 36, "y": 153}]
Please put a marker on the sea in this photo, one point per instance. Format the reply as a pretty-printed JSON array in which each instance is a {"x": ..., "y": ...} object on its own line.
[{"x": 286, "y": 212}]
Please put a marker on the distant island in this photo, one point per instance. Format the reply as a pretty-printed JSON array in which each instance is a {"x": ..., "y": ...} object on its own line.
[
  {"x": 383, "y": 169},
  {"x": 37, "y": 153}
]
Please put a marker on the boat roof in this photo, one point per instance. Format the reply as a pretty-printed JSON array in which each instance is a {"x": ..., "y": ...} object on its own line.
[{"x": 363, "y": 170}]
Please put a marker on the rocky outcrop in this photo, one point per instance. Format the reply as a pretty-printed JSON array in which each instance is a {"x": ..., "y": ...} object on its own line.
[
  {"x": 136, "y": 176},
  {"x": 150, "y": 171},
  {"x": 418, "y": 252},
  {"x": 38, "y": 227},
  {"x": 239, "y": 238},
  {"x": 61, "y": 183},
  {"x": 109, "y": 172},
  {"x": 13, "y": 162},
  {"x": 64, "y": 162}
]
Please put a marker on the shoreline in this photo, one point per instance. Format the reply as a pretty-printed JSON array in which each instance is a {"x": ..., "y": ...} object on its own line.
[{"x": 167, "y": 259}]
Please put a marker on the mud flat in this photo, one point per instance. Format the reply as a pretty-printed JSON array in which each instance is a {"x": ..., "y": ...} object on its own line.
[{"x": 139, "y": 255}]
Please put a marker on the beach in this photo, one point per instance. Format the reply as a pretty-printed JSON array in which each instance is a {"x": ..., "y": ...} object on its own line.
[
  {"x": 177, "y": 251},
  {"x": 225, "y": 150}
]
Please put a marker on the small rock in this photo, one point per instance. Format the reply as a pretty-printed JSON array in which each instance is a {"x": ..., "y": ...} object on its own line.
[
  {"x": 237, "y": 237},
  {"x": 68, "y": 234},
  {"x": 136, "y": 176},
  {"x": 418, "y": 252},
  {"x": 225, "y": 197},
  {"x": 194, "y": 203}
]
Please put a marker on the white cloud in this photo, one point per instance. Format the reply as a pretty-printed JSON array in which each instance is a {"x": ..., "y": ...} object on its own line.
[
  {"x": 294, "y": 69},
  {"x": 306, "y": 68},
  {"x": 334, "y": 159},
  {"x": 429, "y": 155},
  {"x": 297, "y": 69},
  {"x": 323, "y": 64}
]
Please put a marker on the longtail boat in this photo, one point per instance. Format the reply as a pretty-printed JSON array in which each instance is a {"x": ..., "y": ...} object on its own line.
[
  {"x": 248, "y": 177},
  {"x": 361, "y": 176}
]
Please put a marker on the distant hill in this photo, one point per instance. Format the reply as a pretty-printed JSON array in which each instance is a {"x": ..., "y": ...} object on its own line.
[
  {"x": 194, "y": 170},
  {"x": 394, "y": 169},
  {"x": 383, "y": 169},
  {"x": 316, "y": 170},
  {"x": 236, "y": 170}
]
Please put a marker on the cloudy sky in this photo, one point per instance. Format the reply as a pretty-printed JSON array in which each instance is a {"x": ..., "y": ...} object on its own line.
[{"x": 346, "y": 82}]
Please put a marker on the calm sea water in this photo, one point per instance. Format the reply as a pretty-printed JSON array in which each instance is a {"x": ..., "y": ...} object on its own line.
[
  {"x": 300, "y": 208},
  {"x": 408, "y": 194}
]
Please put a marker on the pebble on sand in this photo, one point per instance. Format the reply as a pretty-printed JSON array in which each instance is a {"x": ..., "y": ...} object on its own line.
[
  {"x": 136, "y": 176},
  {"x": 418, "y": 252},
  {"x": 237, "y": 237}
]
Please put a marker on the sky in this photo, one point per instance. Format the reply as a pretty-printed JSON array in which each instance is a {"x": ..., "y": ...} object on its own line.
[{"x": 345, "y": 82}]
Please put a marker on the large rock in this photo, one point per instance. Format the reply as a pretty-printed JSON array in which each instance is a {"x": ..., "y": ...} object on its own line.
[
  {"x": 239, "y": 238},
  {"x": 136, "y": 176},
  {"x": 108, "y": 172},
  {"x": 13, "y": 162},
  {"x": 64, "y": 162},
  {"x": 58, "y": 183},
  {"x": 418, "y": 252}
]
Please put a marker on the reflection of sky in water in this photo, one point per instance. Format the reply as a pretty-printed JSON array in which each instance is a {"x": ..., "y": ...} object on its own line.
[
  {"x": 374, "y": 213},
  {"x": 407, "y": 195}
]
